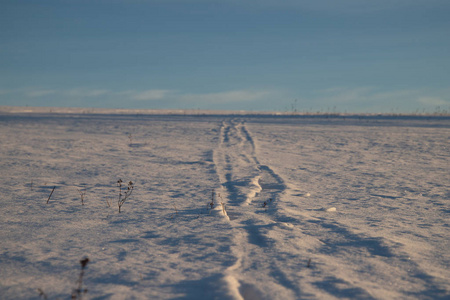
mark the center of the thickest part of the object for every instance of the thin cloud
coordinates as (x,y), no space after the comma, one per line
(86,92)
(371,99)
(40,93)
(340,95)
(77,92)
(436,101)
(150,95)
(226,97)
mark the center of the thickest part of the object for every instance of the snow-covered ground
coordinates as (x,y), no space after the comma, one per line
(303,207)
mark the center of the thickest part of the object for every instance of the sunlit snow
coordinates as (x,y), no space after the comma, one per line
(224,206)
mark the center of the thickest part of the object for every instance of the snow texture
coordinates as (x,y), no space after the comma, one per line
(225,206)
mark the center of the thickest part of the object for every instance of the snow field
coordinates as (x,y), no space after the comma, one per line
(391,225)
(314,208)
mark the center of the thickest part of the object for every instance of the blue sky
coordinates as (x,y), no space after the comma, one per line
(318,55)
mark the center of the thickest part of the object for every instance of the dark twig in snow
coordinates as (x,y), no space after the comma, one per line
(82,194)
(51,194)
(211,204)
(126,194)
(130,139)
(79,291)
(42,294)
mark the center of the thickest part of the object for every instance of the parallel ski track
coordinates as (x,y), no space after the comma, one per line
(246,186)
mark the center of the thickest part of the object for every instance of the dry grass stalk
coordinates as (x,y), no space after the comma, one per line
(123,196)
(51,194)
(79,291)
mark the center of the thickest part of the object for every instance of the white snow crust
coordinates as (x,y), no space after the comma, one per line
(304,207)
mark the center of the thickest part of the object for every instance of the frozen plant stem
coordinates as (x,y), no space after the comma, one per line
(176,210)
(130,138)
(213,194)
(51,194)
(79,292)
(123,196)
(82,193)
(42,294)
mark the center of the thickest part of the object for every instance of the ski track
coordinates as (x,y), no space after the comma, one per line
(253,192)
(246,184)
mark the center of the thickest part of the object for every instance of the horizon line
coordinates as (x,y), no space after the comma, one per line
(196,112)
